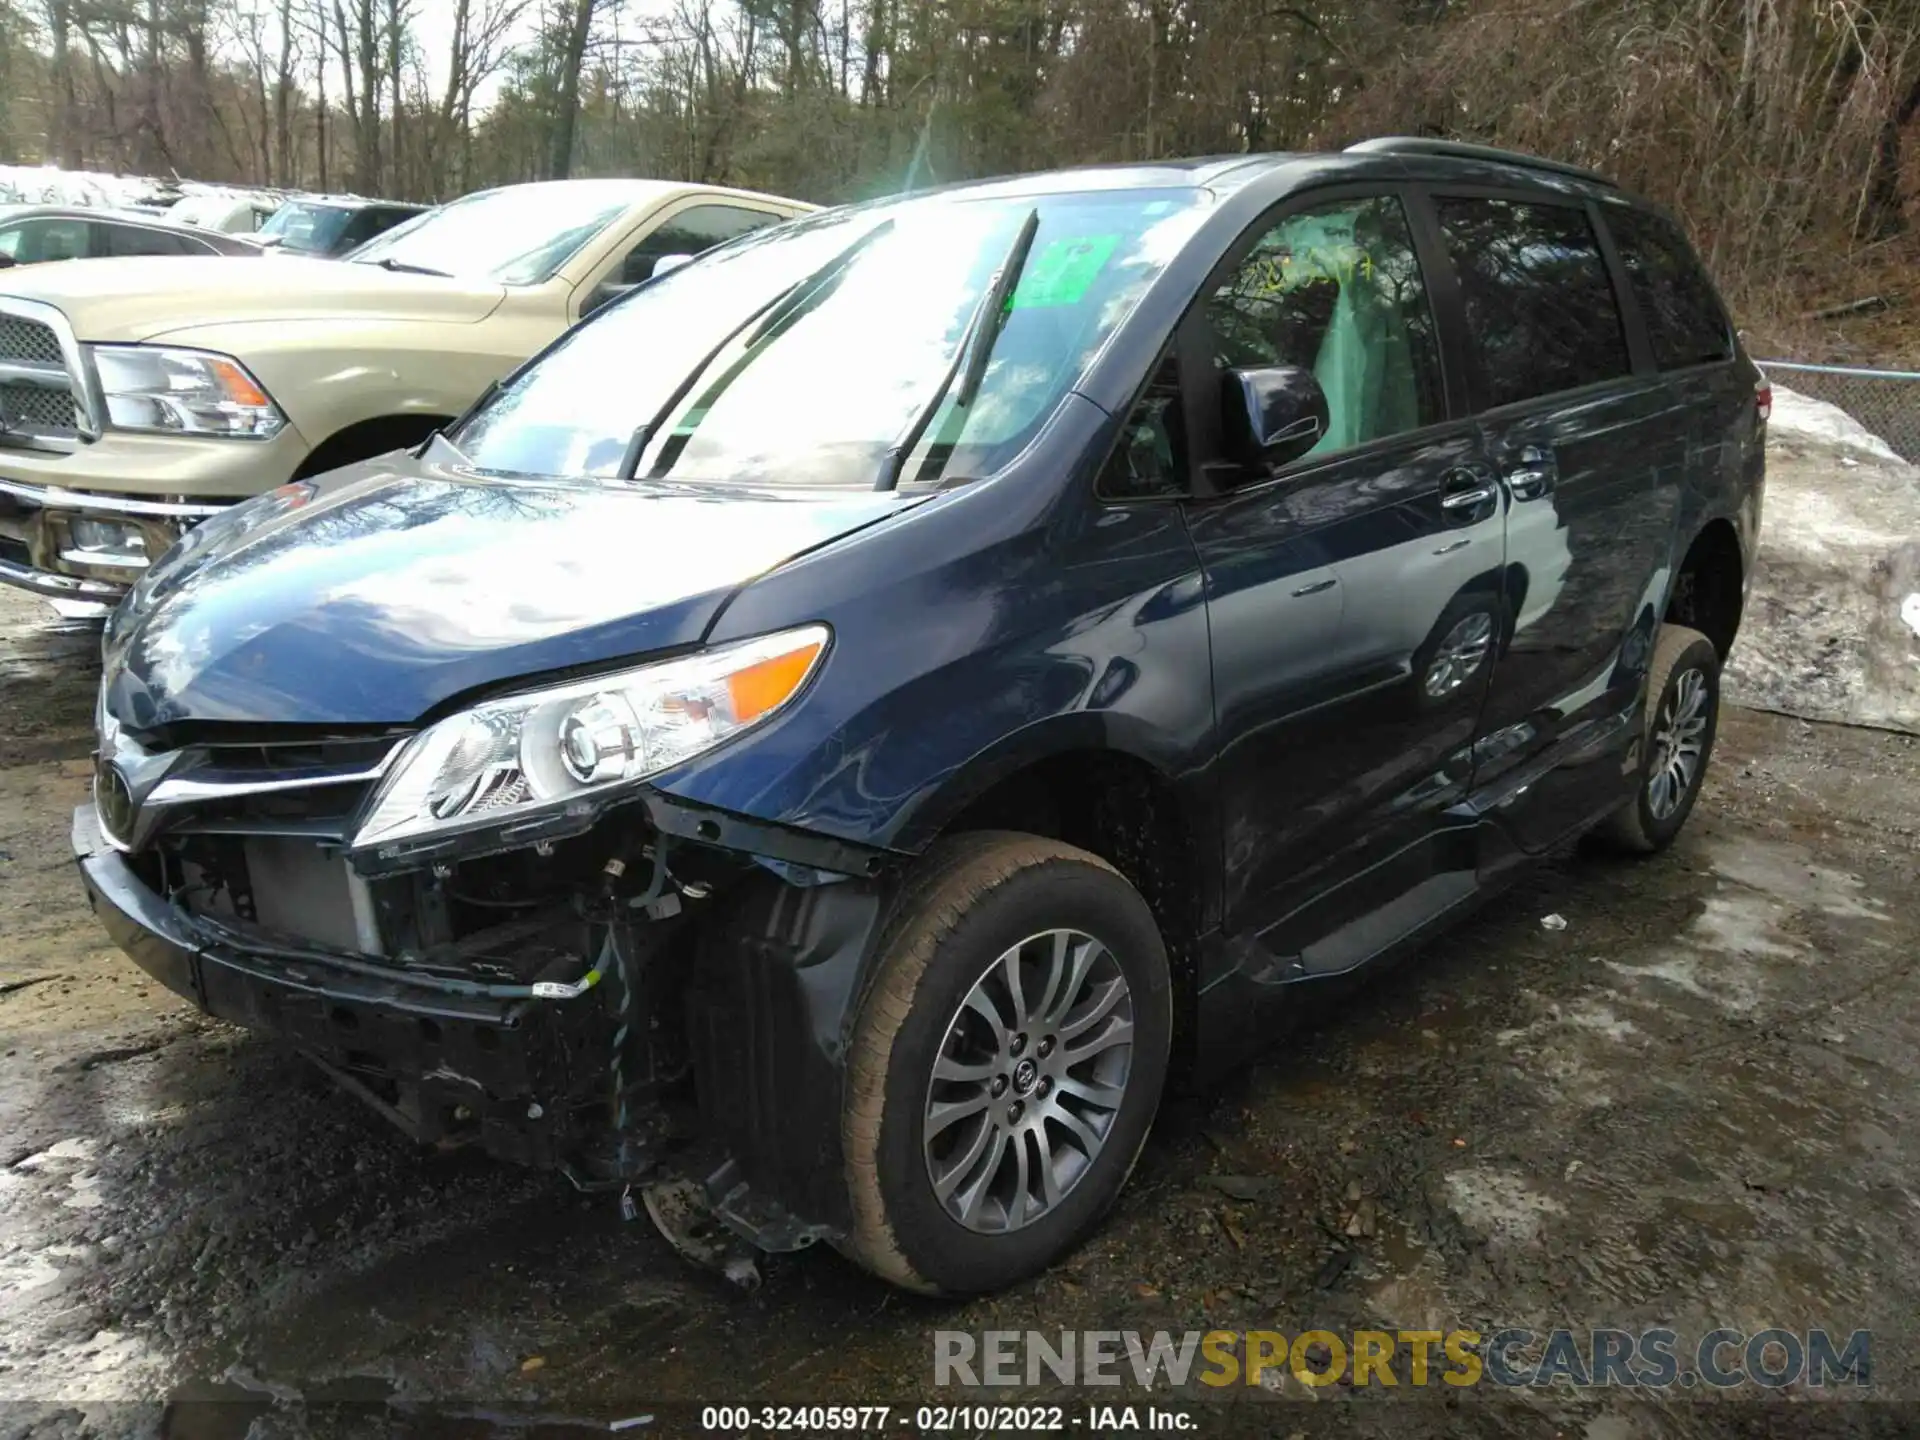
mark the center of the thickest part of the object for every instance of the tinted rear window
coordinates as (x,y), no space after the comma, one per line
(1540,307)
(137,240)
(1684,318)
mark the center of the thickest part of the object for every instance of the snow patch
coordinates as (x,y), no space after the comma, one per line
(1585,1013)
(25,1271)
(1705,977)
(50,185)
(1740,923)
(1806,418)
(1788,872)
(1831,627)
(74,1148)
(87,1194)
(1501,1206)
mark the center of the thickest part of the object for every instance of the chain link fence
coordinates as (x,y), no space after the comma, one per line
(1887,402)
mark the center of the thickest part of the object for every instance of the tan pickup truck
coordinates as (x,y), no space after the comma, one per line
(139,396)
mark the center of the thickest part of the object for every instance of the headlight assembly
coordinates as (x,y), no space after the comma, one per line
(182,392)
(531,756)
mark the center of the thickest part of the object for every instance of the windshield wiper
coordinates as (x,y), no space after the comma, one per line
(387,262)
(976,346)
(781,311)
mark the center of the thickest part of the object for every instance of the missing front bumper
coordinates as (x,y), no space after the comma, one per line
(739,1082)
(523,1079)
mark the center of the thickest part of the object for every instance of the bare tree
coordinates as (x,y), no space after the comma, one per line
(479,50)
(576,22)
(357,34)
(283,95)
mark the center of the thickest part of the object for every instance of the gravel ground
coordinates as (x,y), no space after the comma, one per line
(1687,1107)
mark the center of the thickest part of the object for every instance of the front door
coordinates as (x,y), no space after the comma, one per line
(1590,456)
(1353,595)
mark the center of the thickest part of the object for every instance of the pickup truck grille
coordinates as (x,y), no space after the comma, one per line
(38,411)
(41,404)
(28,342)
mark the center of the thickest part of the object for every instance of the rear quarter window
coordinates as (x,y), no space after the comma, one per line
(1541,314)
(1685,320)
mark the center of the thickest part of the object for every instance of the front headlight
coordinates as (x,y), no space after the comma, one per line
(183,392)
(529,756)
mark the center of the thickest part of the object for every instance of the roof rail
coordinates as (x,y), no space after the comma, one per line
(1461,150)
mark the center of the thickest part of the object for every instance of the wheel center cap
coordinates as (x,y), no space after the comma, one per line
(1024,1074)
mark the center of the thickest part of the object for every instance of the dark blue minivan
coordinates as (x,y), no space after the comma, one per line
(849,725)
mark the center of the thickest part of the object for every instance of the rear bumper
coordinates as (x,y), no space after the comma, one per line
(517,1077)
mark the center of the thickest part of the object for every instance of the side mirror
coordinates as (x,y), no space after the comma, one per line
(666,263)
(1273,414)
(603,294)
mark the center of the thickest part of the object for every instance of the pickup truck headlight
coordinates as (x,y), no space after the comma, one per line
(528,756)
(183,392)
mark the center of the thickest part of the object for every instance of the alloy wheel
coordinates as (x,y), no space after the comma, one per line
(1459,654)
(1028,1081)
(1679,737)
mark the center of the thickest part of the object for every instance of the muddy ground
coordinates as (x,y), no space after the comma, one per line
(1691,1106)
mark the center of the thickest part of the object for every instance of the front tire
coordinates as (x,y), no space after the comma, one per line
(1682,717)
(1005,1065)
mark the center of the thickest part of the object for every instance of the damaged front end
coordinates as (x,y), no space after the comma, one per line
(649,989)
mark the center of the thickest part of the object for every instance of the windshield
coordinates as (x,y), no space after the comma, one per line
(518,235)
(306,227)
(823,396)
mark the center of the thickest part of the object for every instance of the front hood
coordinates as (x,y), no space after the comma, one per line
(139,299)
(377,593)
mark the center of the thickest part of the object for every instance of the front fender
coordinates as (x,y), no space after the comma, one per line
(984,629)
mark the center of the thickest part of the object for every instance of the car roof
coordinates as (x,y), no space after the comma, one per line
(351,202)
(1405,157)
(1210,172)
(146,220)
(639,191)
(78,212)
(87,212)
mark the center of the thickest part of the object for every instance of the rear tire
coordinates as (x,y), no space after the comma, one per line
(1035,979)
(1682,716)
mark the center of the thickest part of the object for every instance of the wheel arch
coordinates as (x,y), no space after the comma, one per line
(1099,785)
(1708,592)
(364,439)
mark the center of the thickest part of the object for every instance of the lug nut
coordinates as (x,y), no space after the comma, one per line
(1044,1088)
(999,1086)
(1019,1044)
(1046,1047)
(1015,1111)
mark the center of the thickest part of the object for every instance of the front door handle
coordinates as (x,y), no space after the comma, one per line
(1464,491)
(1534,474)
